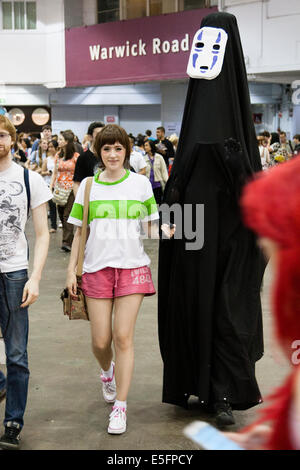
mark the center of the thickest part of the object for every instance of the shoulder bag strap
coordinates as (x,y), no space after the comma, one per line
(27,186)
(84,226)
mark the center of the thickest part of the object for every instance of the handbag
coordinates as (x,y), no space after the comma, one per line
(61,195)
(76,308)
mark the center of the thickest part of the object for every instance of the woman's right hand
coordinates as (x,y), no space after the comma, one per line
(254,439)
(71,284)
(168,230)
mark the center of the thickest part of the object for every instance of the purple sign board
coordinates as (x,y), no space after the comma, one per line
(140,50)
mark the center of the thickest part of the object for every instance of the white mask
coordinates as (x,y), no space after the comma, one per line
(207,53)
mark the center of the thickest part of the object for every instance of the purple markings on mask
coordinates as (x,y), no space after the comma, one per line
(216,52)
(200,36)
(198,47)
(214,61)
(195,57)
(216,46)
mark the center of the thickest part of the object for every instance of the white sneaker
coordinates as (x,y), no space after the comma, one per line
(117,421)
(109,387)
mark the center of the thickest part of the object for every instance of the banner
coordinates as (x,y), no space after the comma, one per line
(140,50)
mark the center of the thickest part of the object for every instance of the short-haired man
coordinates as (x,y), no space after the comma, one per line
(284,145)
(87,161)
(149,135)
(163,145)
(46,134)
(19,189)
(137,161)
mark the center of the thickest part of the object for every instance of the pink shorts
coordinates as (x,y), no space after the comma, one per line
(114,282)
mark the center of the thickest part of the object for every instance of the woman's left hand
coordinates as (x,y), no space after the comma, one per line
(167,230)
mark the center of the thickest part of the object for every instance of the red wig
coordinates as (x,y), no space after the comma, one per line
(271,207)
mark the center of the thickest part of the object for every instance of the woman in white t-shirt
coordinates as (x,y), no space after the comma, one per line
(116,273)
(47,171)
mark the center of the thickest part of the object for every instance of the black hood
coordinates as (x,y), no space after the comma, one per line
(219,109)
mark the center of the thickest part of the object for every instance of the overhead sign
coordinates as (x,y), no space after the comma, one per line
(144,49)
(112,119)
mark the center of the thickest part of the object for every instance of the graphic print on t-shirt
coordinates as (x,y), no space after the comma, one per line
(14,214)
(11,217)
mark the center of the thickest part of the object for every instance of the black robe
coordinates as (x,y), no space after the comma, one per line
(209,309)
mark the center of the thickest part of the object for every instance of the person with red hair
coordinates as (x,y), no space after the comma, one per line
(277,222)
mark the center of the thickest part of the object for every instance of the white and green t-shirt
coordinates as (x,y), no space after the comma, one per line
(115,212)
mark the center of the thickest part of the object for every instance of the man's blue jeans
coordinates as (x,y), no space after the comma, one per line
(14,326)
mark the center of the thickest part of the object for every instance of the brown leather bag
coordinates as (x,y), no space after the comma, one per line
(76,309)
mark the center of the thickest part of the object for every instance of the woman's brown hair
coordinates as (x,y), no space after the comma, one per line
(68,152)
(40,151)
(111,134)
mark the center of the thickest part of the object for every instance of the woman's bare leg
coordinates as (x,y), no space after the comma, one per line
(100,314)
(126,311)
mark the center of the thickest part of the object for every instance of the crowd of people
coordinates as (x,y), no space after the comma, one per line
(63,162)
(275,148)
(124,173)
(130,172)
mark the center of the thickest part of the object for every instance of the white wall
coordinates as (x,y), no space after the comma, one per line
(25,95)
(109,95)
(269,32)
(269,117)
(268,93)
(134,119)
(36,56)
(172,103)
(137,119)
(76,118)
(135,106)
(139,107)
(270,37)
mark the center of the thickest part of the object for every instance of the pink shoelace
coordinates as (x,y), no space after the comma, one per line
(108,379)
(114,408)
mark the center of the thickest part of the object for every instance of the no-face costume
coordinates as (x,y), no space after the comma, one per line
(209,309)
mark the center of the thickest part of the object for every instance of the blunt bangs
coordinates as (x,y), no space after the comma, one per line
(111,134)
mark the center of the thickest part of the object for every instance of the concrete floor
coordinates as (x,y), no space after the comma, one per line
(65,409)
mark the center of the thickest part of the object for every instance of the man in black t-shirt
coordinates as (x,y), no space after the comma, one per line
(163,145)
(87,162)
